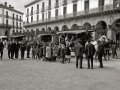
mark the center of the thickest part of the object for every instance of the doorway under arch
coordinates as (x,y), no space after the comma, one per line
(56,28)
(74,26)
(86,26)
(64,28)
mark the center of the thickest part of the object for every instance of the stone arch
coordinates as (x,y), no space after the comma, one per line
(49,29)
(86,26)
(64,28)
(101,24)
(74,26)
(56,28)
(43,29)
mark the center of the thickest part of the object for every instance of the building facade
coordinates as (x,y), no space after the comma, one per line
(11,20)
(103,16)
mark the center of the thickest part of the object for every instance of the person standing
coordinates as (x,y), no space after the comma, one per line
(13,45)
(17,49)
(68,53)
(1,48)
(79,50)
(90,51)
(9,49)
(22,47)
(28,47)
(100,53)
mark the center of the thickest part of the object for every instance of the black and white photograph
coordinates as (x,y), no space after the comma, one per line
(59,44)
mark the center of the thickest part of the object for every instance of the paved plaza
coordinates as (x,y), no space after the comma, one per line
(34,74)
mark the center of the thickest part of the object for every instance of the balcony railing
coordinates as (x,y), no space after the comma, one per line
(42,9)
(71,15)
(49,7)
(74,1)
(64,2)
(56,5)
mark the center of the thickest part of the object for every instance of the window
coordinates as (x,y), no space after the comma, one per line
(37,6)
(16,17)
(13,24)
(101,4)
(42,15)
(74,7)
(56,1)
(56,12)
(49,14)
(86,8)
(37,17)
(20,18)
(6,14)
(6,22)
(16,24)
(49,3)
(64,10)
(28,10)
(31,10)
(13,16)
(20,25)
(43,4)
(31,18)
(27,20)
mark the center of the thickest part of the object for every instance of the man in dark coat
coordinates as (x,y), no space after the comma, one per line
(28,49)
(17,49)
(9,49)
(79,49)
(100,53)
(90,51)
(1,48)
(13,45)
(22,47)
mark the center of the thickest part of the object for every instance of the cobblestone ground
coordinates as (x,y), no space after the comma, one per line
(31,74)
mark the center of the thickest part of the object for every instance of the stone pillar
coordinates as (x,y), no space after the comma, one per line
(109,34)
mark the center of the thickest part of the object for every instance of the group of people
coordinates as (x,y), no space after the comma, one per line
(61,51)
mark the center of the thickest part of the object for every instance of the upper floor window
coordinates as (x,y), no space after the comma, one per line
(56,12)
(6,13)
(57,1)
(7,22)
(43,4)
(27,19)
(13,16)
(16,17)
(28,10)
(86,6)
(49,3)
(20,18)
(37,6)
(49,14)
(31,18)
(42,15)
(101,4)
(31,9)
(37,17)
(64,10)
(74,7)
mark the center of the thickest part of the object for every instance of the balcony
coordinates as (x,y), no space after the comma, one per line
(7,16)
(74,1)
(64,2)
(42,9)
(56,5)
(80,14)
(49,7)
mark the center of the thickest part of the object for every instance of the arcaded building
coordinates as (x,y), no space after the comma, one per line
(102,16)
(11,20)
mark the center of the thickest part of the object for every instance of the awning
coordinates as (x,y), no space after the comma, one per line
(73,31)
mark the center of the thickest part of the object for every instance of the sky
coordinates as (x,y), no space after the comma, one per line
(17,4)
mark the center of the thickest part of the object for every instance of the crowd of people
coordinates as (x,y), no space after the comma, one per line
(62,51)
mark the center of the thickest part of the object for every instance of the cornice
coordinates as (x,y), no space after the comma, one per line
(10,8)
(31,3)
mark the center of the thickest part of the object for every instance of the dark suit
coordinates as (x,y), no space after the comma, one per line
(13,46)
(22,47)
(90,51)
(1,49)
(28,50)
(79,49)
(17,50)
(100,54)
(9,50)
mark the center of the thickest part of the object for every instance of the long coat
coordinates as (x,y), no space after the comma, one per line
(79,50)
(89,49)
